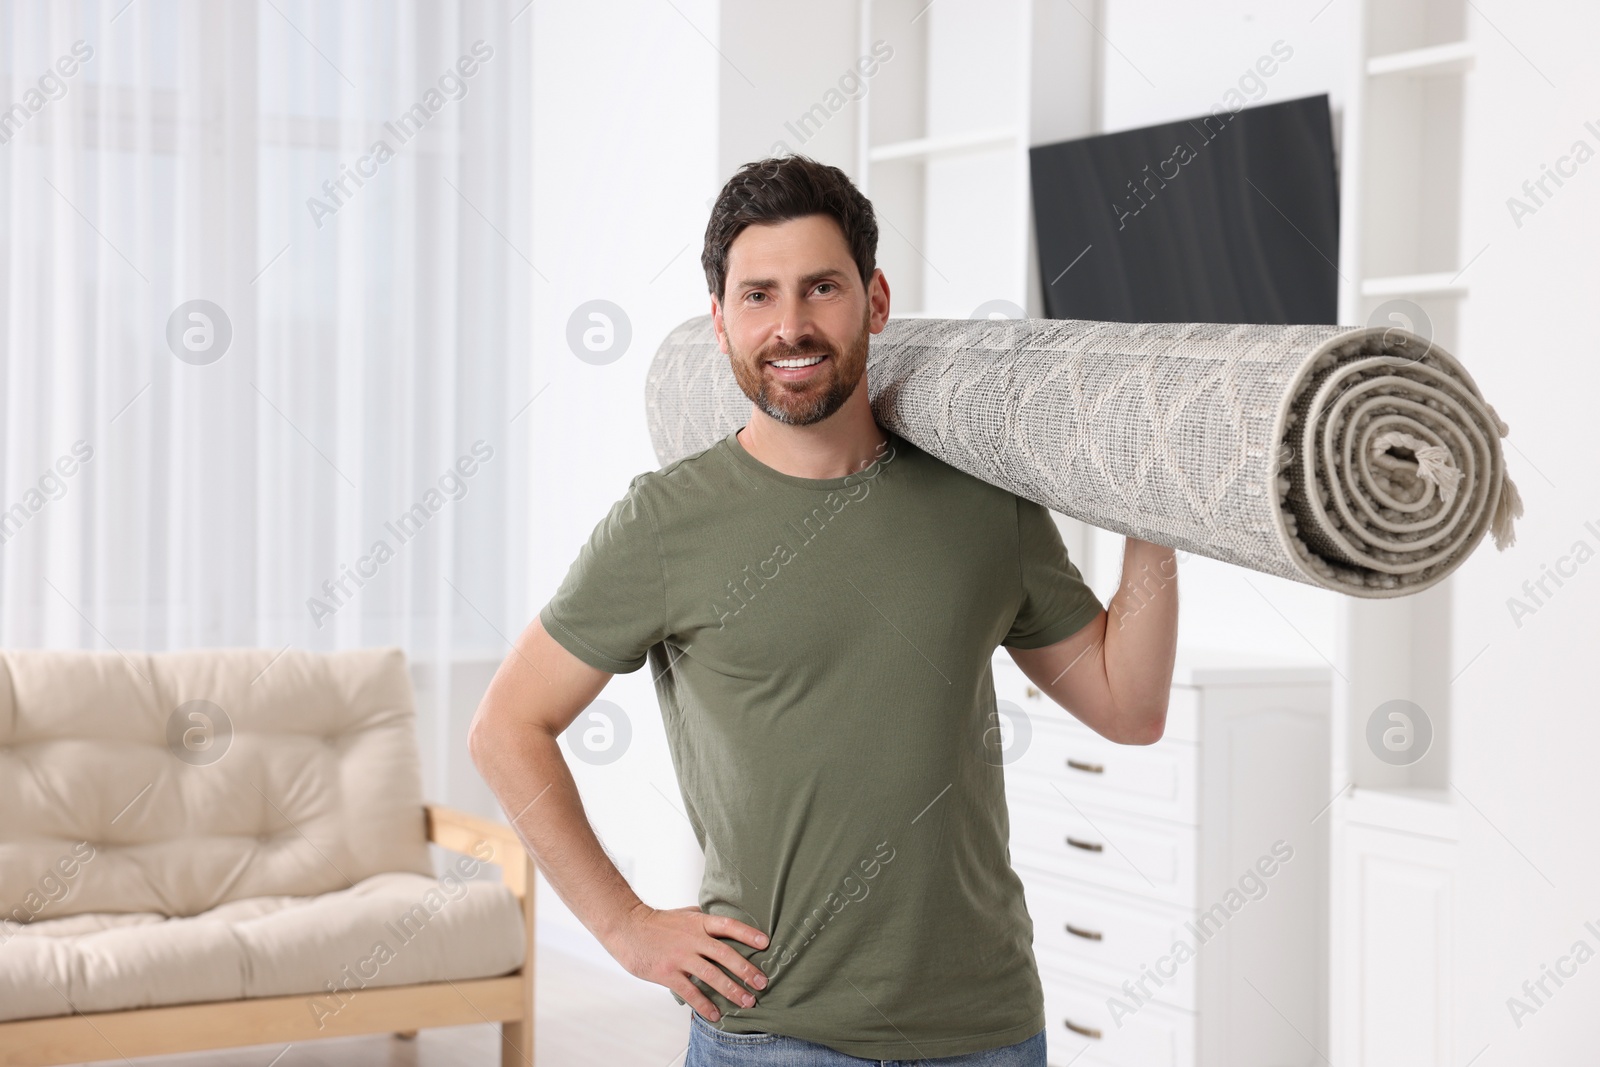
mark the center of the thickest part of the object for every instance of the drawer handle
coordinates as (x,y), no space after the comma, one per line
(1087,846)
(1086,768)
(1087,935)
(1087,1031)
(1033,694)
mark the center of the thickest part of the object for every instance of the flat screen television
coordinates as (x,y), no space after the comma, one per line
(1220,218)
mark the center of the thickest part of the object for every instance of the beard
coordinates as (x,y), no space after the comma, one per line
(811,401)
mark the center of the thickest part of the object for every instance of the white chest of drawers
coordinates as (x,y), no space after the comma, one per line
(1178,890)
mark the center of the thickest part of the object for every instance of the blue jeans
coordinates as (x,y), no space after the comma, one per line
(710,1047)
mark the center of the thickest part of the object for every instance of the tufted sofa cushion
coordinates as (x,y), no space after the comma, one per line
(391,929)
(300,776)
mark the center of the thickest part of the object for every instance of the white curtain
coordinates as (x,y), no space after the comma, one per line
(346,186)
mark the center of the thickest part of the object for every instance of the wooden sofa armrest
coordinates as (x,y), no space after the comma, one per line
(464,832)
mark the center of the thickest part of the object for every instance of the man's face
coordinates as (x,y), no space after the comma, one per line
(796,318)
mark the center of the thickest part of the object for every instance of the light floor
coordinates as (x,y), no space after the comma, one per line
(587,1017)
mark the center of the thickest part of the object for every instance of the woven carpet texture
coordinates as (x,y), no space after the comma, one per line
(1363,459)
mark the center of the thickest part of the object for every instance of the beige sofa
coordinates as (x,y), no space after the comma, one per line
(229,847)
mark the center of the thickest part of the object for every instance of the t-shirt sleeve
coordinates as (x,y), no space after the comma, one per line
(611,607)
(1056,601)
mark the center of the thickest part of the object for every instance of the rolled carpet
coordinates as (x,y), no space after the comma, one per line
(1363,460)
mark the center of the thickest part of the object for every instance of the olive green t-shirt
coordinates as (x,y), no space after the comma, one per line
(821,653)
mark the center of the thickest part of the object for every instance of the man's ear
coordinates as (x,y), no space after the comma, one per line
(718,325)
(877,301)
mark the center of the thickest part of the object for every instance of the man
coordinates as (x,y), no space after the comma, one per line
(819,601)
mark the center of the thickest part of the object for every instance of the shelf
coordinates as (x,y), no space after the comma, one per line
(1411,810)
(1440,284)
(928,147)
(1457,57)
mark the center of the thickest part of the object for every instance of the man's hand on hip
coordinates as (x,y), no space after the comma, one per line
(668,947)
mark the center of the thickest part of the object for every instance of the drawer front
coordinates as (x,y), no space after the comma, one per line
(1157,780)
(1183,703)
(1083,1030)
(1067,840)
(1112,940)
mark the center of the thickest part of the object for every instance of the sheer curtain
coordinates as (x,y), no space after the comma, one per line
(264,363)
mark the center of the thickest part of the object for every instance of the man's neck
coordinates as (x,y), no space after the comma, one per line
(846,442)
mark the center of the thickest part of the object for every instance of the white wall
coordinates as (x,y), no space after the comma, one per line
(1526,713)
(1171,59)
(786,87)
(624,159)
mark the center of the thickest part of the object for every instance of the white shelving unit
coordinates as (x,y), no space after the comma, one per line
(1400,190)
(1394,828)
(937,146)
(942,143)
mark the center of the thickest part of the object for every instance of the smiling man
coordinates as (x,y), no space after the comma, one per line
(819,601)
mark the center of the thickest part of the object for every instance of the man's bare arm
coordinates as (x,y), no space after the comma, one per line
(536,694)
(1115,674)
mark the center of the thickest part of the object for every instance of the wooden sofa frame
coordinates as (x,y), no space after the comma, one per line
(82,1038)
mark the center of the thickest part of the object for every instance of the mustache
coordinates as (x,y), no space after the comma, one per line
(787,352)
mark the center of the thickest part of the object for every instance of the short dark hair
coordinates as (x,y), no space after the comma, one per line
(780,188)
